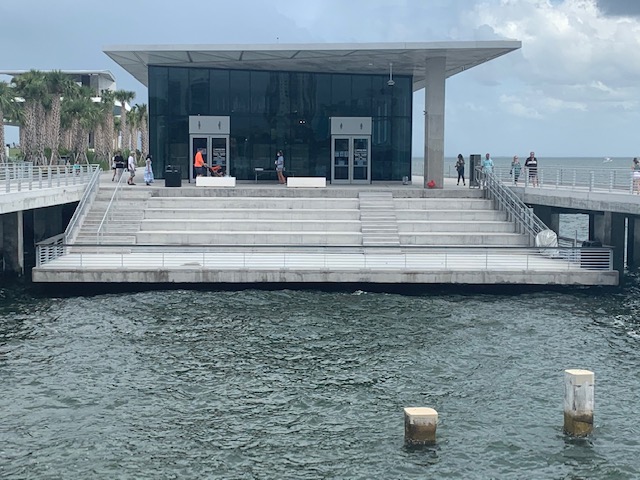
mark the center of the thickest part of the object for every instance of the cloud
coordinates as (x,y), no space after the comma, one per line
(620,7)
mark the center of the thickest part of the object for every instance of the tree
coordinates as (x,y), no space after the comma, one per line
(80,116)
(58,85)
(7,109)
(32,88)
(143,125)
(124,97)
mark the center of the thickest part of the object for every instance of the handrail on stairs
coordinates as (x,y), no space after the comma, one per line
(507,201)
(108,214)
(84,205)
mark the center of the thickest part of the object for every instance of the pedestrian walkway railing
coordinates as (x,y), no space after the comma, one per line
(111,210)
(24,176)
(315,258)
(584,179)
(526,222)
(83,207)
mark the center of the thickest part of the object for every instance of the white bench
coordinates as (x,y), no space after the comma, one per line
(307,182)
(215,181)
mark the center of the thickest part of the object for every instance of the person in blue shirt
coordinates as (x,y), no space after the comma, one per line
(487,168)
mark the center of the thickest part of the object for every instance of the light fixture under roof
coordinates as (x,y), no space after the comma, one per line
(391,82)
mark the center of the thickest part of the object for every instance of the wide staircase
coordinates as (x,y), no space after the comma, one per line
(124,220)
(365,219)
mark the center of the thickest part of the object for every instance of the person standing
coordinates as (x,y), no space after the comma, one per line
(635,167)
(113,167)
(460,169)
(131,165)
(531,164)
(516,168)
(148,171)
(487,168)
(198,163)
(280,167)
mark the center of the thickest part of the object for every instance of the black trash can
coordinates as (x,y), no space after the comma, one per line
(474,162)
(589,258)
(173,176)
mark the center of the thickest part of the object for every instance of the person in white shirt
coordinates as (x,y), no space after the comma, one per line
(131,165)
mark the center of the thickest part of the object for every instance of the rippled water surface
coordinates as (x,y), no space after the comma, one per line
(310,384)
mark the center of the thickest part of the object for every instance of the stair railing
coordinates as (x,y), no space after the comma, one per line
(507,201)
(109,212)
(90,192)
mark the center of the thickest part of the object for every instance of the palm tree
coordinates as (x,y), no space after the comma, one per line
(80,116)
(32,88)
(124,97)
(58,85)
(7,108)
(132,124)
(143,126)
(107,145)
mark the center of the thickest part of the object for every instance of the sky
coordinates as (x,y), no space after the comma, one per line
(573,89)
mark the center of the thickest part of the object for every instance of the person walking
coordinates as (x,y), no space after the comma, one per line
(460,168)
(531,164)
(487,169)
(119,162)
(148,171)
(198,163)
(131,165)
(635,167)
(280,167)
(516,168)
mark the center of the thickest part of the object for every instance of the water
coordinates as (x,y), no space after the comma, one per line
(311,384)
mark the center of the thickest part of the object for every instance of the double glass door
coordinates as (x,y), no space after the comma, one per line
(350,159)
(215,152)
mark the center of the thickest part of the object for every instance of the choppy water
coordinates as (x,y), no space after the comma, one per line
(310,384)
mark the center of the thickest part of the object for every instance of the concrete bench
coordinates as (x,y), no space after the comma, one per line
(307,182)
(215,181)
(271,172)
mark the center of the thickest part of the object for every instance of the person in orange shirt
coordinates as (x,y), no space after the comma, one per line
(199,164)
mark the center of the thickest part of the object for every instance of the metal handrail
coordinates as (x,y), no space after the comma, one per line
(575,178)
(21,176)
(336,258)
(83,207)
(108,212)
(507,201)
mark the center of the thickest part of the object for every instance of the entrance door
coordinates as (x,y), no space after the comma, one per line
(215,151)
(351,159)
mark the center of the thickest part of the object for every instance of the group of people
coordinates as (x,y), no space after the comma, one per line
(118,166)
(200,166)
(531,164)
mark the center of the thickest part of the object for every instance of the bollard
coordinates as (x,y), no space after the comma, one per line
(420,426)
(578,402)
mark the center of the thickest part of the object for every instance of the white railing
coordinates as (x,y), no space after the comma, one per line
(333,258)
(506,200)
(21,176)
(109,212)
(83,207)
(585,179)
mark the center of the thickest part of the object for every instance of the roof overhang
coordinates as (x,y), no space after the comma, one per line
(367,58)
(74,74)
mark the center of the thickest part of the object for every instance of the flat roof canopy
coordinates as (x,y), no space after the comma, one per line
(368,58)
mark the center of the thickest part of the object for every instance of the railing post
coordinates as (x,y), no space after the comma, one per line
(558,179)
(591,180)
(611,180)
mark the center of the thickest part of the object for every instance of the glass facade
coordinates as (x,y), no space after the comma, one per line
(269,111)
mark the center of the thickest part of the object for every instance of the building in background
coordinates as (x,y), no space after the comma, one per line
(340,111)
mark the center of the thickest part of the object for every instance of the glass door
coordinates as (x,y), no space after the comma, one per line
(340,152)
(361,159)
(219,149)
(351,159)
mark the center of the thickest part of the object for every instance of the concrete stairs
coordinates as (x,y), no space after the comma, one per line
(251,221)
(378,219)
(123,225)
(454,222)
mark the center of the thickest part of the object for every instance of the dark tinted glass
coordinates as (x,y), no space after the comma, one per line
(158,90)
(199,92)
(178,90)
(219,93)
(240,91)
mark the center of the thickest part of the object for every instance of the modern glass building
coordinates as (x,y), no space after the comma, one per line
(342,112)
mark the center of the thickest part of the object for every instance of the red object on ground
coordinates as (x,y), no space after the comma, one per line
(431,184)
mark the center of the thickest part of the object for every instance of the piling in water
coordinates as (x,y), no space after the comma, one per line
(578,402)
(420,426)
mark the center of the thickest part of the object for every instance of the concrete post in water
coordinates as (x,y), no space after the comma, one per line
(420,426)
(578,402)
